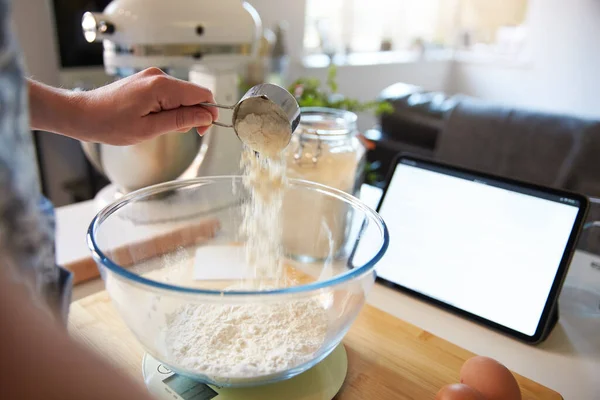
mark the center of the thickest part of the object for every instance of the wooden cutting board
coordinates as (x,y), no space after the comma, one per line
(387,357)
(137,251)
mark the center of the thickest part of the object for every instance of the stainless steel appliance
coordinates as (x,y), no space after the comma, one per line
(204,41)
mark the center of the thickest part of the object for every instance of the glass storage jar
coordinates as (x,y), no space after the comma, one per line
(324,149)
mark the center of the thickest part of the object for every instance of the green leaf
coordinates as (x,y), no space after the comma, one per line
(331,81)
(310,92)
(384,107)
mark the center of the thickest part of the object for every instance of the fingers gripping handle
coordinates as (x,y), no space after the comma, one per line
(219,106)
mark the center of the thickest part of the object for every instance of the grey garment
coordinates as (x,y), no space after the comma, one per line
(26,220)
(546,149)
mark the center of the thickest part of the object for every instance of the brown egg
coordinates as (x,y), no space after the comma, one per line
(458,391)
(492,379)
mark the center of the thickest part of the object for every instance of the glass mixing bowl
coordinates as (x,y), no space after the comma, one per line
(172,258)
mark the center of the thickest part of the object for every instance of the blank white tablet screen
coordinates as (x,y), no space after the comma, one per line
(485,249)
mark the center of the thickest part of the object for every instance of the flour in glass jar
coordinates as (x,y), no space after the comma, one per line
(246,340)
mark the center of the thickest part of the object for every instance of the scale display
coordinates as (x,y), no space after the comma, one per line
(322,381)
(166,384)
(188,389)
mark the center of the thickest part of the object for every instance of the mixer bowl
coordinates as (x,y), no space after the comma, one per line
(175,249)
(154,161)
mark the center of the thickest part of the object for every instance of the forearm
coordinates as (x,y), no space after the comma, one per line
(127,111)
(56,110)
(44,363)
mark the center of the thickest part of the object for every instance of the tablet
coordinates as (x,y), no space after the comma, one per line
(494,250)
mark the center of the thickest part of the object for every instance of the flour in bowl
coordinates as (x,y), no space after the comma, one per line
(246,340)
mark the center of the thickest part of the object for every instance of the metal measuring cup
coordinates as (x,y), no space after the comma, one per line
(259,99)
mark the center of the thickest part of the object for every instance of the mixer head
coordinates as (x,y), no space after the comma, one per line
(138,34)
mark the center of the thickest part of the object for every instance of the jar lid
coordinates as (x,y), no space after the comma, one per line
(324,123)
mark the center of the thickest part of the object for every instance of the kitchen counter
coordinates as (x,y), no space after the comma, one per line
(568,361)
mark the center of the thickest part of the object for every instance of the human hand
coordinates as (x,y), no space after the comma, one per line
(128,111)
(145,105)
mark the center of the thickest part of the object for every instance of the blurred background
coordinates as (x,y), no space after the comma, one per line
(537,54)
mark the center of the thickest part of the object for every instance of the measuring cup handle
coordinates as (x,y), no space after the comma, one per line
(219,106)
(222,124)
(216,105)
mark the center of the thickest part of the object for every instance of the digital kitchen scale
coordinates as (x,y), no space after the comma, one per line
(321,382)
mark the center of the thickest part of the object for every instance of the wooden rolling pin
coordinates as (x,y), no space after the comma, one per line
(135,252)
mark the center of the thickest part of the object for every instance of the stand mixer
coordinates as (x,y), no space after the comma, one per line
(205,42)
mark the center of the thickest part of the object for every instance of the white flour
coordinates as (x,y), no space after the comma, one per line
(250,340)
(265,131)
(267,134)
(241,341)
(265,180)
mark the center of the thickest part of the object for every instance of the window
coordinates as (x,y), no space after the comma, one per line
(363,26)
